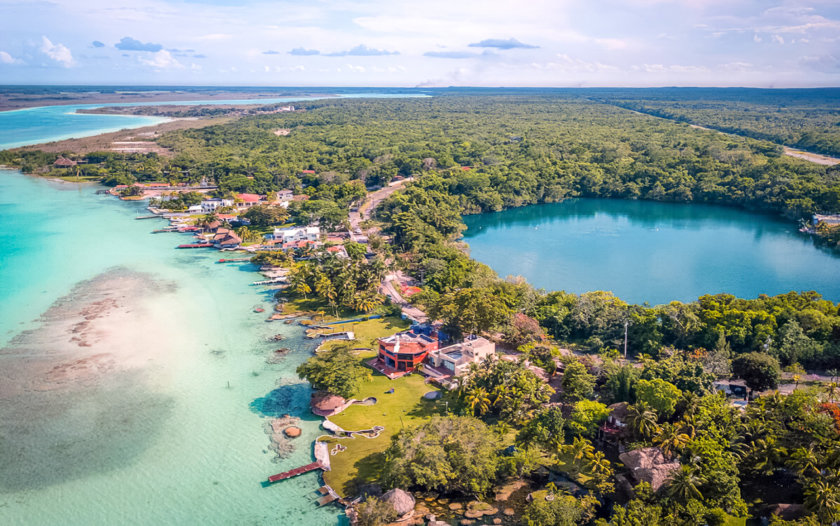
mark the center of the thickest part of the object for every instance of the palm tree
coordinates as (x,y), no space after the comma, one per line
(671,439)
(641,420)
(823,498)
(207,219)
(766,455)
(478,400)
(366,301)
(805,461)
(598,464)
(580,449)
(298,277)
(689,403)
(684,484)
(325,289)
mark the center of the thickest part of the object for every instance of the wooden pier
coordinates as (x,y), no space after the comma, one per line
(295,472)
(196,245)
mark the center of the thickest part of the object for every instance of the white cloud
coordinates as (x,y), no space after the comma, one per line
(162,60)
(6,58)
(57,52)
(778,39)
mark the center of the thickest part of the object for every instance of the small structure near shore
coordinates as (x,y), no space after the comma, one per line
(326,404)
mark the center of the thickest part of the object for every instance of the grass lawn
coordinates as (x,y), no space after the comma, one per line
(299,305)
(368,331)
(362,462)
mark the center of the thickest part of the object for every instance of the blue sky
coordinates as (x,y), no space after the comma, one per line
(765,43)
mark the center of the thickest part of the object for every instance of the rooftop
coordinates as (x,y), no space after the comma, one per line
(408,337)
(249,198)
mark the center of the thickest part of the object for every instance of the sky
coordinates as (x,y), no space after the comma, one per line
(556,43)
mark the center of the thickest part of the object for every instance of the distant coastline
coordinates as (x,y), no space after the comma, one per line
(11,100)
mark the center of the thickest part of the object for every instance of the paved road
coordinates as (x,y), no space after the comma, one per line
(371,202)
(389,289)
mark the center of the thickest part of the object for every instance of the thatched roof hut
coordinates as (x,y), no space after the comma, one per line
(64,162)
(649,465)
(326,404)
(402,501)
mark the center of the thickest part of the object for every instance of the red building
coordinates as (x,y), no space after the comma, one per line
(404,351)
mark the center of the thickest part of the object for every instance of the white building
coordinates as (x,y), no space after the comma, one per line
(285,195)
(293,235)
(456,359)
(210,205)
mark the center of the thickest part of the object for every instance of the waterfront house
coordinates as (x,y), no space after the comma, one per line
(293,235)
(401,353)
(226,238)
(209,206)
(455,360)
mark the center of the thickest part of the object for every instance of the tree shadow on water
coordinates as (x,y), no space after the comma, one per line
(291,399)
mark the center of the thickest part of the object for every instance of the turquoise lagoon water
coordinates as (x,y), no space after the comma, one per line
(652,252)
(164,424)
(199,457)
(55,123)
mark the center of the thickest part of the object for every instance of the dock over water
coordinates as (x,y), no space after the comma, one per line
(322,461)
(295,472)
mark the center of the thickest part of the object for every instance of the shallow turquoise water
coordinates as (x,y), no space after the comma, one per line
(201,457)
(55,123)
(652,252)
(170,428)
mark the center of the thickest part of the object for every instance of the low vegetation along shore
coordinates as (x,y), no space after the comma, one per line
(452,394)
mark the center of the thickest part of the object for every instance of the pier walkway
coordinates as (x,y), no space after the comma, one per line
(295,472)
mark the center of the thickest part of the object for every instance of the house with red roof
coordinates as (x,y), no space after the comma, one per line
(248,200)
(402,352)
(226,238)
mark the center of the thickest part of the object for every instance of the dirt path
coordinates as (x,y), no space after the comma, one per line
(813,157)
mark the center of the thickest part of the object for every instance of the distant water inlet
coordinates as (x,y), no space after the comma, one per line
(652,252)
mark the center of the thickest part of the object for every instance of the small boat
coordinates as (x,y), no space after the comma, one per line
(259,309)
